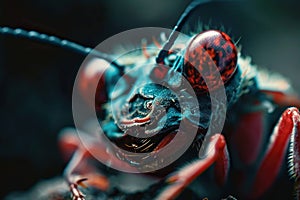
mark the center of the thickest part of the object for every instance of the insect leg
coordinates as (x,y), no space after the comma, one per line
(249,150)
(287,129)
(71,147)
(217,154)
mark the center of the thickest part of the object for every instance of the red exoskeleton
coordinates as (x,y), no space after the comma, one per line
(138,95)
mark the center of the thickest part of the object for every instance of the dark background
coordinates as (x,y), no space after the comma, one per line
(36,80)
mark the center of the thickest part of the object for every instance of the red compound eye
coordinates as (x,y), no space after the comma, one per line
(207,52)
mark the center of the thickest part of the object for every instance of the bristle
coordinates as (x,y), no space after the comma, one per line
(290,157)
(237,42)
(222,28)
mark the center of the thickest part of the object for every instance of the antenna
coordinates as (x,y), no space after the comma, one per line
(41,37)
(178,27)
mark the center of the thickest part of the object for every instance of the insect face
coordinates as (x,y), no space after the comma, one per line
(147,101)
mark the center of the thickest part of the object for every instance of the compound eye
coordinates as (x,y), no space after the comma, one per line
(209,53)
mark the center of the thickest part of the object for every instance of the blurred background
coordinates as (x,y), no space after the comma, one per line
(36,80)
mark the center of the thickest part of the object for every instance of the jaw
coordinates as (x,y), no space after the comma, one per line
(148,121)
(144,144)
(153,130)
(147,133)
(140,142)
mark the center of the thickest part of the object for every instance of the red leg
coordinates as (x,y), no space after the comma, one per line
(79,163)
(249,129)
(217,154)
(287,127)
(71,146)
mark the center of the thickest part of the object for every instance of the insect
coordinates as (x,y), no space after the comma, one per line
(245,146)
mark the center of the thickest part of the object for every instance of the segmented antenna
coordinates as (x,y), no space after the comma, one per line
(41,37)
(180,23)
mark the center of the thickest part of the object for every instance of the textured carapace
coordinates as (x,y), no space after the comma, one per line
(208,51)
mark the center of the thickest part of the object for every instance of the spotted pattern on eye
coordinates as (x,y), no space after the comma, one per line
(206,50)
